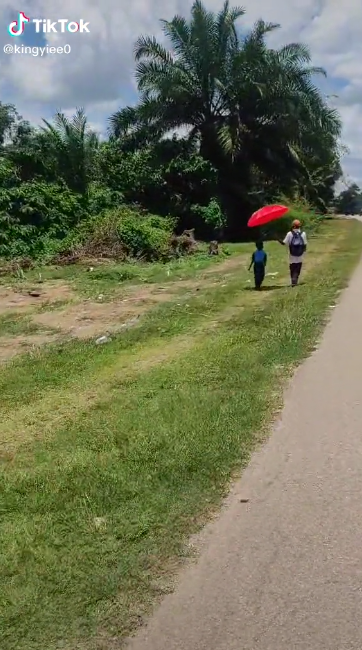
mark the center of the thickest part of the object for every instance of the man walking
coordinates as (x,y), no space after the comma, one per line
(297,241)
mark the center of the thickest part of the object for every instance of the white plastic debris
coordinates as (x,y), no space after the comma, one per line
(102,339)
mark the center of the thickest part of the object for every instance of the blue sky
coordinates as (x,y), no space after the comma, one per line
(98,73)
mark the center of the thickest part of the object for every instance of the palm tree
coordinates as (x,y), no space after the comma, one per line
(73,147)
(182,87)
(247,104)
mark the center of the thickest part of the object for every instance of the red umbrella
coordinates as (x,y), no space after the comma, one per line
(266,214)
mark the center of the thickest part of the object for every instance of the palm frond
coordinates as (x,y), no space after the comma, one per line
(149,47)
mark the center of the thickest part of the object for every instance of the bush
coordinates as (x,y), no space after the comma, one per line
(162,223)
(101,198)
(34,216)
(211,214)
(141,239)
(120,233)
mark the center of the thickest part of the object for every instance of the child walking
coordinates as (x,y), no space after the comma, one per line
(258,261)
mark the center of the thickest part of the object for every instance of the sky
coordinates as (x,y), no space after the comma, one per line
(98,72)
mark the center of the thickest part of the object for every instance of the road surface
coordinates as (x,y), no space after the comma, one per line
(284,571)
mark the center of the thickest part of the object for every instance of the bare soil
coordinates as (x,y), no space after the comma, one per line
(55,307)
(12,300)
(10,346)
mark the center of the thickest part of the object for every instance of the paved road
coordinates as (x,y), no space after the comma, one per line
(284,572)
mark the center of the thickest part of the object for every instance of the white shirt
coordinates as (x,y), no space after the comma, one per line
(288,240)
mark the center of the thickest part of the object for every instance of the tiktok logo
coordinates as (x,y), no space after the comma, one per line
(16,28)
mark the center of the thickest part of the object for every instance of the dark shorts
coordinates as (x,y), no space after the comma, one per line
(295,269)
(259,274)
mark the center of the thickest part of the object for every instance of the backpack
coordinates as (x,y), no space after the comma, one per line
(259,257)
(297,246)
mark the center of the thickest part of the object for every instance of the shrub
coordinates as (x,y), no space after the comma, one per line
(211,214)
(142,238)
(34,215)
(101,198)
(162,223)
(123,232)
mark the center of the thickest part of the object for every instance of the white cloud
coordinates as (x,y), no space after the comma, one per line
(97,73)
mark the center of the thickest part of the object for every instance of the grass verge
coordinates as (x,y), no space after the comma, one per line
(93,514)
(26,379)
(107,278)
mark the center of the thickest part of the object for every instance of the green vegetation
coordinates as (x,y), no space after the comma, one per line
(349,201)
(16,324)
(113,455)
(257,128)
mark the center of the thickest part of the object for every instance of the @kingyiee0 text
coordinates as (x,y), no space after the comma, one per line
(36,50)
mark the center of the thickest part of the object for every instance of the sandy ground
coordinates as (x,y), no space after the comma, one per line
(284,570)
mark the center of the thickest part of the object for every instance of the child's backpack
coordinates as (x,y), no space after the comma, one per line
(296,246)
(259,257)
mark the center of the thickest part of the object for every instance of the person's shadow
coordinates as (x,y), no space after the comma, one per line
(268,287)
(272,287)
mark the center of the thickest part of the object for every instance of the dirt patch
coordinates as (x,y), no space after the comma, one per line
(231,264)
(21,300)
(147,293)
(82,320)
(11,346)
(88,319)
